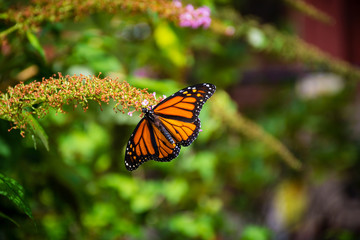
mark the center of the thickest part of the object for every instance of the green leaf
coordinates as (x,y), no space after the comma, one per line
(5,150)
(192,226)
(256,233)
(15,193)
(9,218)
(169,43)
(37,130)
(34,41)
(4,15)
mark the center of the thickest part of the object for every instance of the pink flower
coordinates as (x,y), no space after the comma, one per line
(204,11)
(203,14)
(141,73)
(186,20)
(195,18)
(189,8)
(130,113)
(145,102)
(177,3)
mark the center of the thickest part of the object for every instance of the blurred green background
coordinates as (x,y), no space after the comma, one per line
(223,186)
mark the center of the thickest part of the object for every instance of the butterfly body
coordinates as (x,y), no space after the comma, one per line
(154,119)
(169,125)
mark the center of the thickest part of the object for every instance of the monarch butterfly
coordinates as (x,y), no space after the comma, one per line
(172,123)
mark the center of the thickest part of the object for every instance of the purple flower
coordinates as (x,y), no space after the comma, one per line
(195,18)
(185,20)
(177,3)
(189,8)
(204,10)
(143,72)
(130,113)
(203,14)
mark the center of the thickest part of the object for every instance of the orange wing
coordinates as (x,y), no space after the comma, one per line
(166,150)
(179,112)
(146,143)
(172,123)
(183,133)
(185,105)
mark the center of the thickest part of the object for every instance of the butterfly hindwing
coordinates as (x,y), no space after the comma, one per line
(166,150)
(146,143)
(184,133)
(141,146)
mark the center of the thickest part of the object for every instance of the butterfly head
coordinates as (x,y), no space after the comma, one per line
(148,113)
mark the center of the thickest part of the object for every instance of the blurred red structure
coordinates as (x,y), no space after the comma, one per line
(341,37)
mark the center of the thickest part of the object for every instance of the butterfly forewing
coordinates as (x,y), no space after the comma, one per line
(185,105)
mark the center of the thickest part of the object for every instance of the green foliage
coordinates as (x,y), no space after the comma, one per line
(311,11)
(34,41)
(168,42)
(255,233)
(13,191)
(38,132)
(262,167)
(242,125)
